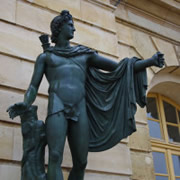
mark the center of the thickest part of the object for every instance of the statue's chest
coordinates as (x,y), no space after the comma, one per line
(56,61)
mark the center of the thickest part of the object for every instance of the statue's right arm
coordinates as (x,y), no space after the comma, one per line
(37,76)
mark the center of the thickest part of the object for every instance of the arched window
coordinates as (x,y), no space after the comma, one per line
(164,128)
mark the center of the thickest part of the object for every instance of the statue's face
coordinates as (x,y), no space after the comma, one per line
(67,30)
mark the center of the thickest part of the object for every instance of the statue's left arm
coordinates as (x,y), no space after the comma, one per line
(156,60)
(103,63)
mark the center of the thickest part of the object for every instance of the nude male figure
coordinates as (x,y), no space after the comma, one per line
(67,114)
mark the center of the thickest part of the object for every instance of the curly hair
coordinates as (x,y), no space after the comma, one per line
(57,22)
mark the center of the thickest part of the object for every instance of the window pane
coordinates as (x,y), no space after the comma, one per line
(152,108)
(176,164)
(154,129)
(161,178)
(159,162)
(170,112)
(173,132)
(177,178)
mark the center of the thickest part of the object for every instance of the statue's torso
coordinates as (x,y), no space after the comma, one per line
(66,77)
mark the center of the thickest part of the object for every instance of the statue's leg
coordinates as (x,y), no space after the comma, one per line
(78,137)
(56,130)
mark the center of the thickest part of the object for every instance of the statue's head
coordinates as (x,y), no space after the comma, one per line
(62,23)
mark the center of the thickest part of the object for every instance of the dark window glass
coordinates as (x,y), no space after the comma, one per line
(161,178)
(159,162)
(173,132)
(170,112)
(179,115)
(152,108)
(154,129)
(176,164)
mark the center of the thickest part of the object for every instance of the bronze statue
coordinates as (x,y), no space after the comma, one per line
(94,109)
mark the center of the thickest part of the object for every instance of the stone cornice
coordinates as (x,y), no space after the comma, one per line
(169,10)
(146,30)
(123,17)
(150,14)
(103,5)
(174,5)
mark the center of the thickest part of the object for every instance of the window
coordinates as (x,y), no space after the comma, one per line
(164,128)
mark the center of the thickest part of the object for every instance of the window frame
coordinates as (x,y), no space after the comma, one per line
(164,145)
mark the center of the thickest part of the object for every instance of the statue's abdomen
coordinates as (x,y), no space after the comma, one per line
(68,83)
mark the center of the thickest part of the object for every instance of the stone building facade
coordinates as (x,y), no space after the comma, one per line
(132,28)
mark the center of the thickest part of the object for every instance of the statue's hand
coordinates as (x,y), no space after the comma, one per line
(17,109)
(158,59)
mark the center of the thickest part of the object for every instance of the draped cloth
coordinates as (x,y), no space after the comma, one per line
(110,99)
(111,103)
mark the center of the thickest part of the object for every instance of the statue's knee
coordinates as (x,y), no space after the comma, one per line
(81,165)
(55,156)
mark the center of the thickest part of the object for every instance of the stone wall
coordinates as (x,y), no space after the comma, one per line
(144,27)
(126,31)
